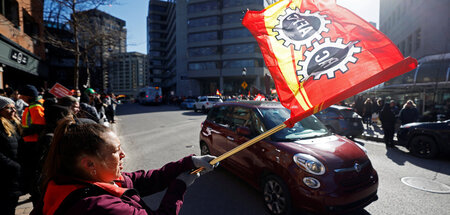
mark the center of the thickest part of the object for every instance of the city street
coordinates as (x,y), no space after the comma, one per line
(154,135)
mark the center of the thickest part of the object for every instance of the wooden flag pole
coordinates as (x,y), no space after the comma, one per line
(243,146)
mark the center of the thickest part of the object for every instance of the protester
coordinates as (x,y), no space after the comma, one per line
(394,108)
(19,103)
(70,102)
(367,112)
(387,118)
(111,108)
(408,113)
(86,110)
(33,123)
(9,163)
(83,175)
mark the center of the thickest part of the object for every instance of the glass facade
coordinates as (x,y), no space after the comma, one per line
(235,3)
(203,51)
(241,63)
(203,66)
(233,17)
(236,33)
(204,21)
(241,48)
(203,6)
(203,36)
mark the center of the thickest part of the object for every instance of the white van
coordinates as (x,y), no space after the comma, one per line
(150,95)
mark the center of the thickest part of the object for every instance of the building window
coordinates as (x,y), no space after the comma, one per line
(203,51)
(203,6)
(30,27)
(204,36)
(204,21)
(233,17)
(234,3)
(236,33)
(241,48)
(241,63)
(409,45)
(418,38)
(202,66)
(157,8)
(10,10)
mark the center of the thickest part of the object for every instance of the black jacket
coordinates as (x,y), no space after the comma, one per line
(9,163)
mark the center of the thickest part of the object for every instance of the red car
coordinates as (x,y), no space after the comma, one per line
(304,167)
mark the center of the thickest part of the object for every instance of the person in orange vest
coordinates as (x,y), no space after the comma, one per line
(33,123)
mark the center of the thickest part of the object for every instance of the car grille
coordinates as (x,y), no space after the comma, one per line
(354,176)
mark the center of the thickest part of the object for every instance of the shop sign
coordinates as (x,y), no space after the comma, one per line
(18,57)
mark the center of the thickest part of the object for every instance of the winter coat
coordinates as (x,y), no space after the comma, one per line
(126,197)
(408,115)
(387,117)
(9,163)
(88,111)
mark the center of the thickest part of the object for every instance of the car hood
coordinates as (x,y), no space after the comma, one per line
(333,150)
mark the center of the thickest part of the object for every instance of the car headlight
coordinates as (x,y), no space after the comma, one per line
(309,163)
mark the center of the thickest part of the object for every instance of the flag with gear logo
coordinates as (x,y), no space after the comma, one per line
(319,53)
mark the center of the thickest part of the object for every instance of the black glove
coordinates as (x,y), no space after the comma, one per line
(203,161)
(188,178)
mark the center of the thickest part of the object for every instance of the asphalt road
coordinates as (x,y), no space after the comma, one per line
(154,135)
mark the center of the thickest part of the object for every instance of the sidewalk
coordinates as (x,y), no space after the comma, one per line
(374,132)
(25,206)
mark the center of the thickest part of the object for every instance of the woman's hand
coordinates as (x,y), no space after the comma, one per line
(203,161)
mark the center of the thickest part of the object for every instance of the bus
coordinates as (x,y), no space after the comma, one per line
(150,95)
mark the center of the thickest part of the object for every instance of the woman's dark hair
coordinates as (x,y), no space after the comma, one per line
(67,101)
(84,98)
(72,140)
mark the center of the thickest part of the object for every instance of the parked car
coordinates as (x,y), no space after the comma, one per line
(304,167)
(204,103)
(425,139)
(187,104)
(341,120)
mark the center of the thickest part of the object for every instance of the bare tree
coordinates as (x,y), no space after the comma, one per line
(85,36)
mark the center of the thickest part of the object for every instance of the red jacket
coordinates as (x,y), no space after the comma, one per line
(123,199)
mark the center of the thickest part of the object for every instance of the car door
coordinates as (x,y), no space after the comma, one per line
(246,159)
(219,129)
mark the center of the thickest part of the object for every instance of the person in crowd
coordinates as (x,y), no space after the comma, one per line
(86,110)
(19,103)
(77,94)
(83,175)
(408,113)
(52,113)
(33,123)
(111,108)
(394,107)
(367,111)
(359,105)
(70,102)
(10,136)
(387,118)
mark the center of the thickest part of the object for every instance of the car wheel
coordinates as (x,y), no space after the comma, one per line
(277,199)
(423,146)
(204,150)
(195,108)
(203,109)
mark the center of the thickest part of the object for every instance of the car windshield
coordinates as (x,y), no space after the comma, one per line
(309,127)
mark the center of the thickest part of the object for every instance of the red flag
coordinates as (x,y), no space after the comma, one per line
(319,53)
(218,93)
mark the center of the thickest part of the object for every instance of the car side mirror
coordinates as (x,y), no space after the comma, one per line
(243,131)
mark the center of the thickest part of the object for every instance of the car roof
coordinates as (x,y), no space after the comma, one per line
(253,104)
(339,107)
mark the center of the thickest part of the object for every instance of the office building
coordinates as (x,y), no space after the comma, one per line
(127,73)
(108,36)
(420,29)
(206,47)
